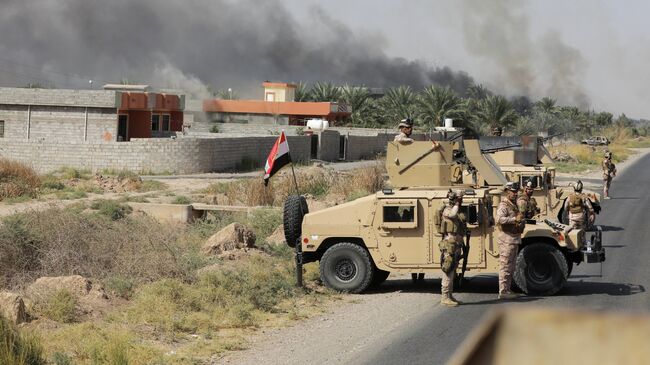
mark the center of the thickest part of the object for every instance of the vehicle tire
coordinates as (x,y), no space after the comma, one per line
(378,277)
(347,267)
(295,208)
(541,269)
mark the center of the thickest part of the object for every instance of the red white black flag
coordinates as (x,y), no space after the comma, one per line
(278,157)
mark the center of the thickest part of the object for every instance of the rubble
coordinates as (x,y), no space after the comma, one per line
(232,237)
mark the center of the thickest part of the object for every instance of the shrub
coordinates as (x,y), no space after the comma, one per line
(60,306)
(152,185)
(181,199)
(354,195)
(17,179)
(123,287)
(264,222)
(61,359)
(127,175)
(247,163)
(73,173)
(111,208)
(18,349)
(214,129)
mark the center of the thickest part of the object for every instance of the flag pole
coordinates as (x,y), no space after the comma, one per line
(295,181)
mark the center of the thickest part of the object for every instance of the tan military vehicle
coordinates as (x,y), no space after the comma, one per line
(360,243)
(532,162)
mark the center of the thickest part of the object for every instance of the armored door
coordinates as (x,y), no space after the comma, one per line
(403,232)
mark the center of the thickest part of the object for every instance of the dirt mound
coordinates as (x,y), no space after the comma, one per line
(277,237)
(232,237)
(75,284)
(12,307)
(564,157)
(116,185)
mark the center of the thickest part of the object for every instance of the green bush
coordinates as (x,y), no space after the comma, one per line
(61,359)
(152,185)
(121,286)
(111,208)
(61,306)
(181,199)
(18,349)
(214,129)
(264,222)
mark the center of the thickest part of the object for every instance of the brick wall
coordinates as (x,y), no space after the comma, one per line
(183,155)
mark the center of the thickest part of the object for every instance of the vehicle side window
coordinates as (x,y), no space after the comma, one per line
(534,178)
(399,213)
(472,214)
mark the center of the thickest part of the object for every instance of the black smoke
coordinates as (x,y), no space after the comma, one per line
(186,43)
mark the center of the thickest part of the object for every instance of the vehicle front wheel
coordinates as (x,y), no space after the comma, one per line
(541,269)
(346,267)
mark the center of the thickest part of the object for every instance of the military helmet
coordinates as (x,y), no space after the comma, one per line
(608,154)
(452,196)
(512,186)
(578,186)
(406,122)
(528,184)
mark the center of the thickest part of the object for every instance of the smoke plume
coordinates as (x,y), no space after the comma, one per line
(194,43)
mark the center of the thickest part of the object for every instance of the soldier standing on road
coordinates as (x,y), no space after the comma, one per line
(405,129)
(453,230)
(526,204)
(609,171)
(581,212)
(512,223)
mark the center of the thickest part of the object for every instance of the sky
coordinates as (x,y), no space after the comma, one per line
(593,54)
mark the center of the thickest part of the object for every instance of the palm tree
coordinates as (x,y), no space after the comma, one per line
(325,91)
(397,103)
(358,98)
(495,111)
(546,105)
(478,92)
(301,93)
(436,103)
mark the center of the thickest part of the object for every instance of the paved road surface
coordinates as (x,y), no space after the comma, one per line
(432,337)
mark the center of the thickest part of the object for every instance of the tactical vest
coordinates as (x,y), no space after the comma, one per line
(576,205)
(513,228)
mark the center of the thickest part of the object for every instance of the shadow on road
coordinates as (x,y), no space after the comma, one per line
(610,228)
(577,288)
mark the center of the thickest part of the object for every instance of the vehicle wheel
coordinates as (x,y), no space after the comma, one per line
(541,269)
(378,277)
(295,208)
(346,267)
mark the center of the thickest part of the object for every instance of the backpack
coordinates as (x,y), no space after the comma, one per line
(575,203)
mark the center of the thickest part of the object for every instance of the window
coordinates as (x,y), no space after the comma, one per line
(155,122)
(165,122)
(399,214)
(394,214)
(2,129)
(535,179)
(270,96)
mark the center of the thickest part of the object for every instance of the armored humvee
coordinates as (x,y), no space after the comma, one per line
(360,243)
(530,160)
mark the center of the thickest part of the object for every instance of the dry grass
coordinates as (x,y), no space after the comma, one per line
(17,348)
(17,179)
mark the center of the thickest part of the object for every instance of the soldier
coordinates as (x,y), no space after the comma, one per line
(512,223)
(526,204)
(497,131)
(579,207)
(609,171)
(453,231)
(405,129)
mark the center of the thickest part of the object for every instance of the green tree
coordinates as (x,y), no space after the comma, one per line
(495,111)
(546,105)
(398,103)
(325,91)
(436,103)
(301,92)
(358,98)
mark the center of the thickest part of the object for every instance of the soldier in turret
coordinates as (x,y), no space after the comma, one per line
(405,129)
(497,131)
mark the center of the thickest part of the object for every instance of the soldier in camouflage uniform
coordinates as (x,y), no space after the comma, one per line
(453,228)
(581,212)
(405,129)
(609,171)
(526,204)
(512,223)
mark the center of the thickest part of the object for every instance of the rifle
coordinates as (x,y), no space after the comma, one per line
(544,139)
(461,277)
(500,148)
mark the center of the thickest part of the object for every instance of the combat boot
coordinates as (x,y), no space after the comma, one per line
(506,296)
(451,296)
(446,300)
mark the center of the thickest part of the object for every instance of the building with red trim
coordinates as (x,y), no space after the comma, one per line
(277,107)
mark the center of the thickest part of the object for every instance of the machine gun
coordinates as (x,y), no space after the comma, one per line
(547,138)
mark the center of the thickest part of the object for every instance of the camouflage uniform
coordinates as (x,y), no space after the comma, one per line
(527,205)
(455,237)
(509,241)
(609,171)
(403,138)
(578,217)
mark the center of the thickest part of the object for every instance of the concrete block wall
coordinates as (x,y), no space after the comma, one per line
(15,118)
(329,144)
(149,155)
(61,97)
(68,124)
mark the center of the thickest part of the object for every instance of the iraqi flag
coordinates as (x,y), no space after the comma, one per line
(278,157)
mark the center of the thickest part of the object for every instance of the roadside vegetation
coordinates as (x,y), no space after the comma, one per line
(168,303)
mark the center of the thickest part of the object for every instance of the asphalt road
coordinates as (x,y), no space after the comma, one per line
(433,335)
